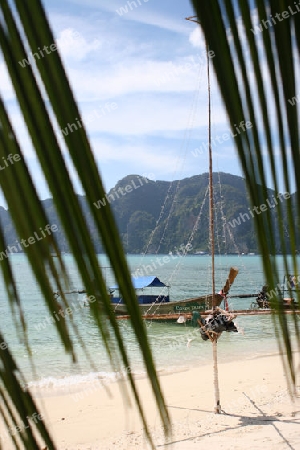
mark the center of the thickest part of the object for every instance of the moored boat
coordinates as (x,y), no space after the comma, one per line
(287,291)
(152,301)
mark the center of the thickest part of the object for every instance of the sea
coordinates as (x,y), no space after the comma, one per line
(175,347)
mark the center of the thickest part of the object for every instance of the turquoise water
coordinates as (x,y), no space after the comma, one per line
(175,347)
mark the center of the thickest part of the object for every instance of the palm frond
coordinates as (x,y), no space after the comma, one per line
(256,69)
(47,102)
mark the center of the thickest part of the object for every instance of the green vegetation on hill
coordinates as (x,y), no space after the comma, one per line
(160,216)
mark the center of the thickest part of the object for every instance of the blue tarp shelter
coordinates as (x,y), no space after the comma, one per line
(143,282)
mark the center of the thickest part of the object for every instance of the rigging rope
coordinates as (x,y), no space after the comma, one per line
(185,251)
(183,149)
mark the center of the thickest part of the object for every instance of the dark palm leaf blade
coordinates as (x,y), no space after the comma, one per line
(19,406)
(58,89)
(237,55)
(8,419)
(81,154)
(81,251)
(27,213)
(262,88)
(35,31)
(56,173)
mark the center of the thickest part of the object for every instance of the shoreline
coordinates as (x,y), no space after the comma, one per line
(50,386)
(257,411)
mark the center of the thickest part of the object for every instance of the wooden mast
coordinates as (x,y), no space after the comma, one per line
(214,339)
(217,408)
(211,188)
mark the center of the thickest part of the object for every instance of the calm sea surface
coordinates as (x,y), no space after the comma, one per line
(175,347)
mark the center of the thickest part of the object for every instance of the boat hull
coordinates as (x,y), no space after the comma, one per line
(176,307)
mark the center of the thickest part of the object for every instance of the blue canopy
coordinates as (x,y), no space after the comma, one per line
(142,282)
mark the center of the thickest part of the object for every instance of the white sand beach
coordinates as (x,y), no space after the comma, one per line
(257,412)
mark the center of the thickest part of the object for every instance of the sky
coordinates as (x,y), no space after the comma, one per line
(138,72)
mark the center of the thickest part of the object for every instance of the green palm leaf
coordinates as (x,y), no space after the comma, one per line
(257,74)
(47,102)
(45,98)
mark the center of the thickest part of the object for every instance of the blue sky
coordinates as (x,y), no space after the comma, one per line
(136,76)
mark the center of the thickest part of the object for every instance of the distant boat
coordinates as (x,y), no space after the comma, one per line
(152,302)
(201,253)
(288,291)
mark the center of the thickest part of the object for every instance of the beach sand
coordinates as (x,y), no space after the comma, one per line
(257,411)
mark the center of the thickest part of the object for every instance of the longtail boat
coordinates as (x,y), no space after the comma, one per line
(158,304)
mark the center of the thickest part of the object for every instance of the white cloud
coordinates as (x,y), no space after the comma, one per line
(141,11)
(196,38)
(149,115)
(140,158)
(133,75)
(73,45)
(159,21)
(153,74)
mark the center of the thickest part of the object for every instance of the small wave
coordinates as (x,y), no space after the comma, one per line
(73,383)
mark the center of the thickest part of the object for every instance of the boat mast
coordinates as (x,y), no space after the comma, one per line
(210,171)
(211,189)
(217,408)
(212,239)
